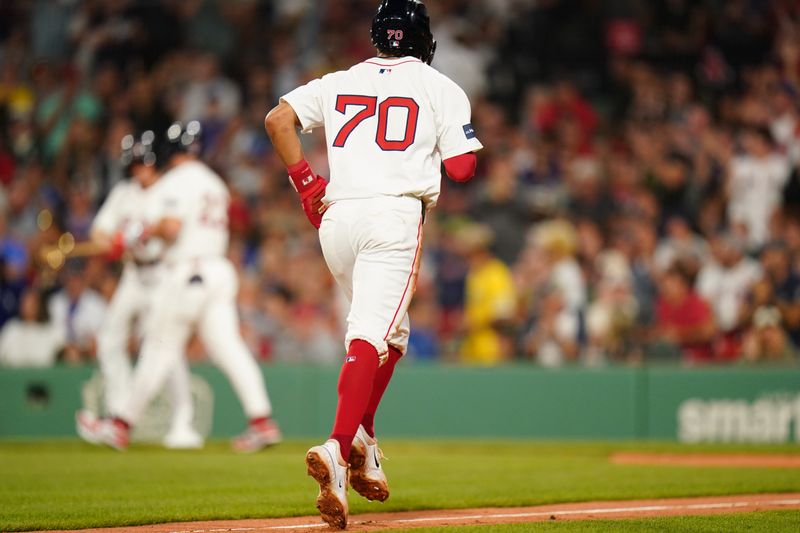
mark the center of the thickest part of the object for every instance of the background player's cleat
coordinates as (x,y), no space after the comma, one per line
(87,424)
(113,433)
(366,475)
(183,439)
(326,466)
(257,437)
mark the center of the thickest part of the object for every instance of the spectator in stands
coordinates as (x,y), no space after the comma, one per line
(558,241)
(755,185)
(680,244)
(499,206)
(490,299)
(31,340)
(725,282)
(564,110)
(780,287)
(77,311)
(59,109)
(554,313)
(684,320)
(423,341)
(14,263)
(767,342)
(588,193)
(552,338)
(611,316)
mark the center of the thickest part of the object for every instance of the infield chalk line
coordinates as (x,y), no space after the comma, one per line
(610,510)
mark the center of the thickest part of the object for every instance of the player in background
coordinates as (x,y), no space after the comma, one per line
(197,292)
(118,231)
(389,123)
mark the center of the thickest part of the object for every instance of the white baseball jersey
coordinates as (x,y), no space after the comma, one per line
(197,196)
(755,193)
(197,291)
(128,203)
(389,123)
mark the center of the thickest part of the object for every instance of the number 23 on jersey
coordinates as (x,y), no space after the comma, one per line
(369,105)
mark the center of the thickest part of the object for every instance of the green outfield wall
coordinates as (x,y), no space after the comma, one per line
(693,405)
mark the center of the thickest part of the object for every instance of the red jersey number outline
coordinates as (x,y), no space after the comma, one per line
(369,104)
(214,210)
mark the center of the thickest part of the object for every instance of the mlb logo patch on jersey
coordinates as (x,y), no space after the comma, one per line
(469,131)
(385,71)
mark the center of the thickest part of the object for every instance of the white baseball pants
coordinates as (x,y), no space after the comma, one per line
(197,294)
(372,247)
(131,300)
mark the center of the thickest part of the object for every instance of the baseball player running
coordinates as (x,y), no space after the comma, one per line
(389,123)
(196,291)
(117,231)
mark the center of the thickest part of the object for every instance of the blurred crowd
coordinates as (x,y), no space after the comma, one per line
(637,200)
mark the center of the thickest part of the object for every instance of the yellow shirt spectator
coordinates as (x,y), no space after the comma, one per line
(490,298)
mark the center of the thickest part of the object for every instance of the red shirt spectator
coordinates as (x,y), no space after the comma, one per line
(684,318)
(567,105)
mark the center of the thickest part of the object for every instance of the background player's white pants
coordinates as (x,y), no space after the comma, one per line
(131,299)
(197,294)
(372,247)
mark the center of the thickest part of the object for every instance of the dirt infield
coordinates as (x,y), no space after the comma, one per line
(704,460)
(488,516)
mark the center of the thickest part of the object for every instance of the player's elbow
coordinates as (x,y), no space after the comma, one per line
(461,167)
(169,229)
(271,122)
(280,117)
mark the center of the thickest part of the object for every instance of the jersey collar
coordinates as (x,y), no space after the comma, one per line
(391,61)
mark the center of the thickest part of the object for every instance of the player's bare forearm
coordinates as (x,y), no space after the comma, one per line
(101,239)
(281,124)
(166,229)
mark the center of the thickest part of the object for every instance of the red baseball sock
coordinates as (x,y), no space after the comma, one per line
(382,378)
(355,388)
(259,421)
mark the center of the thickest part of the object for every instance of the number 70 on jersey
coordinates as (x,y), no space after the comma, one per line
(369,107)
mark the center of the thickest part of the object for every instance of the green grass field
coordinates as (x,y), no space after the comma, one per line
(67,484)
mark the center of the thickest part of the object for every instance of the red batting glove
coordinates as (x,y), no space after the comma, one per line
(311,189)
(118,246)
(126,239)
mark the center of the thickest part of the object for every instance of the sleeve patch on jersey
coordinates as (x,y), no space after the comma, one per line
(469,131)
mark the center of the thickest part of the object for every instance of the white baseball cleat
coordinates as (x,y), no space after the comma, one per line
(326,466)
(87,424)
(366,475)
(183,439)
(257,437)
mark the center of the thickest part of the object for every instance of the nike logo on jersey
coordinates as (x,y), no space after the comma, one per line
(469,131)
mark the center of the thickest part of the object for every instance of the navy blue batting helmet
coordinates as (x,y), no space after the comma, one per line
(152,148)
(403,28)
(180,138)
(138,149)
